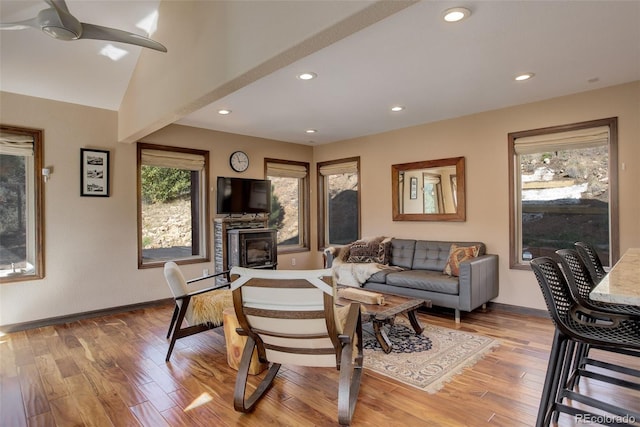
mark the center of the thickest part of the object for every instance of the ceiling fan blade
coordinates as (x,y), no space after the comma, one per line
(20,25)
(97,32)
(58,5)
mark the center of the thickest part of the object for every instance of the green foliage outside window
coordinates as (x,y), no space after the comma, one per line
(161,185)
(276,217)
(12,194)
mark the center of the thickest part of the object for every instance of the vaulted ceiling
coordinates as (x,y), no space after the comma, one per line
(436,70)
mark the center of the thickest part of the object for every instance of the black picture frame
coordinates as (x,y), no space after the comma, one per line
(413,189)
(94,173)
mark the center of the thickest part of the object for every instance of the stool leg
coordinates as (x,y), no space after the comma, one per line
(552,379)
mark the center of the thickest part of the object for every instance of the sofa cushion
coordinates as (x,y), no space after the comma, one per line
(402,252)
(458,254)
(381,276)
(424,280)
(431,255)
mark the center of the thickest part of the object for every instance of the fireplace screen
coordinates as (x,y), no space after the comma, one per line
(252,248)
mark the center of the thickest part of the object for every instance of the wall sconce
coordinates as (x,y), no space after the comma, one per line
(46,173)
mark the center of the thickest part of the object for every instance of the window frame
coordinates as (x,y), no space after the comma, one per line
(204,234)
(304,216)
(322,200)
(38,202)
(438,198)
(514,167)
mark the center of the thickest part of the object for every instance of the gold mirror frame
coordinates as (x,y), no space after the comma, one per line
(400,170)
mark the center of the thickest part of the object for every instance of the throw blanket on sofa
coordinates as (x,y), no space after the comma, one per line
(354,274)
(360,260)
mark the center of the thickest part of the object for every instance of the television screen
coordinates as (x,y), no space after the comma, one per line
(242,195)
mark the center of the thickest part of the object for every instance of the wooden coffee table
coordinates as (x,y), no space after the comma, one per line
(385,314)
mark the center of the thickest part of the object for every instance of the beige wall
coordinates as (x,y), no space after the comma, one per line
(91,253)
(90,242)
(482,140)
(221,145)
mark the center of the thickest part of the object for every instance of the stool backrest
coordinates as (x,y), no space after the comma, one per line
(577,274)
(589,256)
(555,289)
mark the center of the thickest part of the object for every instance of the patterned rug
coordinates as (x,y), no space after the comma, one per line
(426,361)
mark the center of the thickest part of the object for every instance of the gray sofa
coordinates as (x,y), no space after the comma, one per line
(416,270)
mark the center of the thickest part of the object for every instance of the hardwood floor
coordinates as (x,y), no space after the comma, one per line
(110,370)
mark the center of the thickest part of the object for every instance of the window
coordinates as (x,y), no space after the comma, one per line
(563,189)
(432,188)
(21,204)
(338,202)
(173,205)
(289,203)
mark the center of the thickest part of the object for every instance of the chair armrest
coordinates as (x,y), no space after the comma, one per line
(597,319)
(202,291)
(197,279)
(346,337)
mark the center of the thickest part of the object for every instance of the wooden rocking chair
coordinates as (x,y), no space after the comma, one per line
(290,318)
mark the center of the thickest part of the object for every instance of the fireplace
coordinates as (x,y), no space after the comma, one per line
(252,247)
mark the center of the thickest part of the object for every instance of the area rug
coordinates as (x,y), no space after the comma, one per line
(426,361)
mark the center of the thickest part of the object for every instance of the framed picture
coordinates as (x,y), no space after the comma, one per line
(413,193)
(94,173)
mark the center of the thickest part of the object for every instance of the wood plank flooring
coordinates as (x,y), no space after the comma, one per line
(110,371)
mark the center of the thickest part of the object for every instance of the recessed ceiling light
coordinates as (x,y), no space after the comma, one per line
(311,131)
(456,14)
(397,108)
(524,76)
(307,76)
(224,111)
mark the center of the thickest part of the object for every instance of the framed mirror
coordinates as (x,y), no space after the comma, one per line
(431,190)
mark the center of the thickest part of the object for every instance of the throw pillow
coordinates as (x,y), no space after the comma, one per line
(457,254)
(374,250)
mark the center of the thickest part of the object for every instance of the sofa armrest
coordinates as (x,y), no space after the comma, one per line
(332,253)
(478,281)
(329,254)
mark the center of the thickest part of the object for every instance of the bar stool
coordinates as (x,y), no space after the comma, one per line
(589,256)
(580,285)
(577,324)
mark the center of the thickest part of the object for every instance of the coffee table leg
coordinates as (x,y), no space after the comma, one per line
(381,336)
(414,322)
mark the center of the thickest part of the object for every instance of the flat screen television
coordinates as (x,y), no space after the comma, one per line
(243,196)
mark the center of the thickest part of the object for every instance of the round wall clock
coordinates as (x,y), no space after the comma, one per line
(239,161)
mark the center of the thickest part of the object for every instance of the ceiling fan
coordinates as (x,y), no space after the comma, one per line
(57,22)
